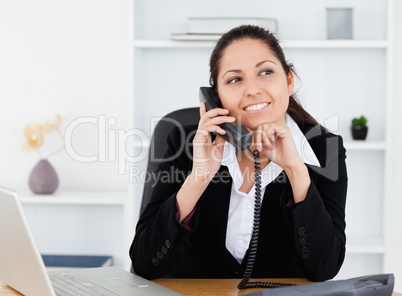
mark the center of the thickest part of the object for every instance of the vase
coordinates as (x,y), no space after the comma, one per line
(359,132)
(43,178)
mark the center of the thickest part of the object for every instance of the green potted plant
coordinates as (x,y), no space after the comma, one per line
(359,128)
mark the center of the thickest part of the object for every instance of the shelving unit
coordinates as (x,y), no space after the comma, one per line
(366,145)
(76,198)
(346,78)
(82,223)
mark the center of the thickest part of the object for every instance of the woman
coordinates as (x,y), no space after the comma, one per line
(202,226)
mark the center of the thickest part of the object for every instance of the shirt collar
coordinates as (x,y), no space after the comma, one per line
(302,145)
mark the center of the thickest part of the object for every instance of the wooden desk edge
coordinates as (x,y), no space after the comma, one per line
(194,286)
(7,291)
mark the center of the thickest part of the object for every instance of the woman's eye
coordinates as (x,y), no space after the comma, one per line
(234,80)
(265,72)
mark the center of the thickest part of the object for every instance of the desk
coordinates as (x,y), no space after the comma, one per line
(197,287)
(7,291)
(227,287)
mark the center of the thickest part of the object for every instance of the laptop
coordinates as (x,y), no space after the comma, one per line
(22,268)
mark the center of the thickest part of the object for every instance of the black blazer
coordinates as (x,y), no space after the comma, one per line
(302,240)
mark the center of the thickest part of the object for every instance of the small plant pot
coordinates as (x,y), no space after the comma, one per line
(359,132)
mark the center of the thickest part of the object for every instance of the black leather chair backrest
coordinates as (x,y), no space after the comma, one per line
(158,147)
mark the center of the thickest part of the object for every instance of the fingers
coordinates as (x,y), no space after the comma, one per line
(213,112)
(203,109)
(262,137)
(257,138)
(218,147)
(210,120)
(267,141)
(215,129)
(212,125)
(281,133)
(219,120)
(266,135)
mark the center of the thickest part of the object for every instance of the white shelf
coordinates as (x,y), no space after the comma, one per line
(365,245)
(76,198)
(330,44)
(365,145)
(162,43)
(361,44)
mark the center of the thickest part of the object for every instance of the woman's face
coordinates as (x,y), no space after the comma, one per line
(252,84)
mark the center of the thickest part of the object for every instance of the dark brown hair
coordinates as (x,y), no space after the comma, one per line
(295,110)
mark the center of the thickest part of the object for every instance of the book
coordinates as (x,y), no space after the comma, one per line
(76,261)
(194,37)
(222,25)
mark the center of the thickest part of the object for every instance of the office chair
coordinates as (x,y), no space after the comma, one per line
(158,147)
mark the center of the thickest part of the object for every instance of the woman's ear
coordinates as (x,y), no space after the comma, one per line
(291,82)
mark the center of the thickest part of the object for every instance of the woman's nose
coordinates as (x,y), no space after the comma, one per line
(253,89)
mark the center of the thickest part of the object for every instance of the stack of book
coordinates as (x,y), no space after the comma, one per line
(211,29)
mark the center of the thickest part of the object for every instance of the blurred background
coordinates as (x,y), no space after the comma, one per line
(111,70)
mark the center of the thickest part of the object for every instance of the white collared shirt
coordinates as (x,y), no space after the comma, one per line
(241,208)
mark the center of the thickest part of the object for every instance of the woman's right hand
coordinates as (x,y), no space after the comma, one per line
(207,156)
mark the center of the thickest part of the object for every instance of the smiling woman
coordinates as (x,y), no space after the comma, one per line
(202,227)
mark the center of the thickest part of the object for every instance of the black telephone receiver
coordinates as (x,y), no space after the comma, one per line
(238,135)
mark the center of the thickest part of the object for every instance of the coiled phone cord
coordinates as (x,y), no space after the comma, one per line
(244,284)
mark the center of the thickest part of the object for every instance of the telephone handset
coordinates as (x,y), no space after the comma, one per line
(239,136)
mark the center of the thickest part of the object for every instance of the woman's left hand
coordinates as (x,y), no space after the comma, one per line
(276,142)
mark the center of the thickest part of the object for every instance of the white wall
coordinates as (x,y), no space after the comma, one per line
(396,254)
(68,57)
